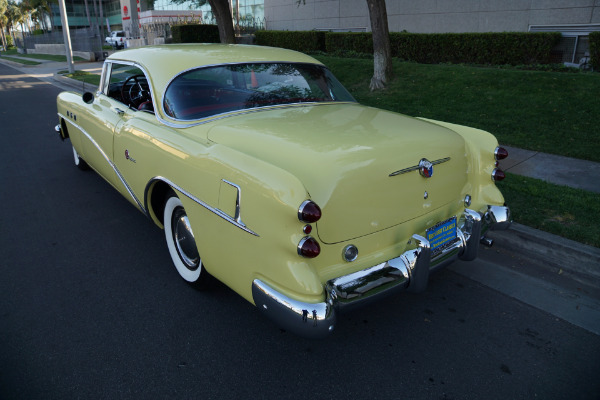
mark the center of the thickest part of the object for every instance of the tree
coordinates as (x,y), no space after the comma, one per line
(26,10)
(13,13)
(221,9)
(3,22)
(382,50)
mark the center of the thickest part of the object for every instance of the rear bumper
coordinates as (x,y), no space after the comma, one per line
(408,272)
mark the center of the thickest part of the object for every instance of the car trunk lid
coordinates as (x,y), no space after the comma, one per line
(344,155)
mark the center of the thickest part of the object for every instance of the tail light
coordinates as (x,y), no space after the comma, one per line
(309,247)
(500,153)
(309,212)
(498,174)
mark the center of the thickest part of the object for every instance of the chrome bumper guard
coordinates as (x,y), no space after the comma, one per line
(408,272)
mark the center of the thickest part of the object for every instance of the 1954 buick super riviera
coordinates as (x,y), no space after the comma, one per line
(265,173)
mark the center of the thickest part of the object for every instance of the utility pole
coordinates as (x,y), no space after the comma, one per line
(66,34)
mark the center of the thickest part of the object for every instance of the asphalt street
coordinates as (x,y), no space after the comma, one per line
(91,307)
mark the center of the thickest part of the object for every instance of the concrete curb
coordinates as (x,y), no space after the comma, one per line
(576,259)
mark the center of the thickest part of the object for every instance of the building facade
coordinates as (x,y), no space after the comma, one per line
(431,16)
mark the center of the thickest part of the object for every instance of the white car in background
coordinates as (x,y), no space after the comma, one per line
(116,39)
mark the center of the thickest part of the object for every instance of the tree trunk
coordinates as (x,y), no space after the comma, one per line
(87,13)
(382,51)
(222,12)
(101,24)
(95,19)
(4,44)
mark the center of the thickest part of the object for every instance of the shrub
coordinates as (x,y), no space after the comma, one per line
(595,50)
(349,42)
(195,33)
(512,48)
(304,41)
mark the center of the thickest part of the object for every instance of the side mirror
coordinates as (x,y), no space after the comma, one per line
(88,97)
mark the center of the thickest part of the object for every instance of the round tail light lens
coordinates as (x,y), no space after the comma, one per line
(309,212)
(309,247)
(498,174)
(500,153)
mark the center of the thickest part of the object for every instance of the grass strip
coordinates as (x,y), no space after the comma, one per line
(83,76)
(561,210)
(48,57)
(20,61)
(551,112)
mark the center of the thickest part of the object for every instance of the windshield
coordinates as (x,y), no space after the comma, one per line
(204,92)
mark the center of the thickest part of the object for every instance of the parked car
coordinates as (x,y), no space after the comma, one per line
(116,39)
(265,173)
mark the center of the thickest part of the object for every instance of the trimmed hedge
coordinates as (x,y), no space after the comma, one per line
(513,48)
(198,33)
(304,41)
(595,50)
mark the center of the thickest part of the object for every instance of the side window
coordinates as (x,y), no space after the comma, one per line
(128,84)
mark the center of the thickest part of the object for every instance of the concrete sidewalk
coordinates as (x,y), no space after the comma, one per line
(580,174)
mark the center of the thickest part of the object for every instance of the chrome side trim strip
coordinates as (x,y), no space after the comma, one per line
(238,202)
(108,160)
(416,167)
(203,204)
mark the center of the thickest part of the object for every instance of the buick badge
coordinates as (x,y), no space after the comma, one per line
(425,168)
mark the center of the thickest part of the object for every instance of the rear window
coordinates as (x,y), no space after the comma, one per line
(120,34)
(209,91)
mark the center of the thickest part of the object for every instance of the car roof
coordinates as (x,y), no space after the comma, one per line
(166,61)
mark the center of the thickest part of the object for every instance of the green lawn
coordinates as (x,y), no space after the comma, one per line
(552,112)
(20,61)
(83,76)
(561,210)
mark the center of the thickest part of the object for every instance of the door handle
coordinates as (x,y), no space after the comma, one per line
(119,111)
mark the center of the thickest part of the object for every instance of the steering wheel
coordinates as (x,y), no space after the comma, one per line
(136,94)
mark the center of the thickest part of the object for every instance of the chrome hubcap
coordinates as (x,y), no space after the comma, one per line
(183,238)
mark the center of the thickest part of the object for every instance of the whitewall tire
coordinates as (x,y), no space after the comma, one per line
(181,242)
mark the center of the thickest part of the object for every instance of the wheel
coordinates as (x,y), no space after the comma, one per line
(181,243)
(79,162)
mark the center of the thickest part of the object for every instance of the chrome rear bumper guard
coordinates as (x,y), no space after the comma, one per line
(408,272)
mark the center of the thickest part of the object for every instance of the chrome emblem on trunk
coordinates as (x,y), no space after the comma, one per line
(425,167)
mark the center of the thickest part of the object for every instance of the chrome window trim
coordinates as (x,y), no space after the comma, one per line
(217,117)
(202,203)
(112,165)
(186,123)
(146,74)
(106,67)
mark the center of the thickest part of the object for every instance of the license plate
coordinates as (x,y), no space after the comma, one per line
(442,233)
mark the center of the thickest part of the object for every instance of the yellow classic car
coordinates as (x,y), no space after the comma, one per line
(265,173)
